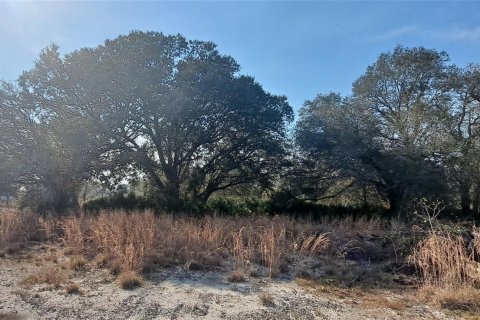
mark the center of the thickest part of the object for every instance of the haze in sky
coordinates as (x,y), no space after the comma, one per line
(297,49)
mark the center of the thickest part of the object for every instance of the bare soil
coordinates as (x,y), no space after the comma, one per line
(175,293)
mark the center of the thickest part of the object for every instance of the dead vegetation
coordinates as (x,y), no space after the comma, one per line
(237,276)
(140,241)
(54,277)
(73,288)
(346,258)
(78,263)
(266,299)
(447,264)
(129,280)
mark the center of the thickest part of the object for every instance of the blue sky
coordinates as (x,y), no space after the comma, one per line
(297,49)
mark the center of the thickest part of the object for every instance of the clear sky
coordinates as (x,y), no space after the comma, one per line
(297,49)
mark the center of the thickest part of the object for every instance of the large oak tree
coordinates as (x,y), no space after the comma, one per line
(175,110)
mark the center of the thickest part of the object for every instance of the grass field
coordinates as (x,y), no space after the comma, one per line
(371,264)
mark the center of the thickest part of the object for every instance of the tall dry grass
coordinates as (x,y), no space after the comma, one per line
(135,240)
(443,259)
(448,265)
(16,227)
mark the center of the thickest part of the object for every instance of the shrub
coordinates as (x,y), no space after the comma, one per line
(51,276)
(16,227)
(236,276)
(101,260)
(266,299)
(129,280)
(78,263)
(72,288)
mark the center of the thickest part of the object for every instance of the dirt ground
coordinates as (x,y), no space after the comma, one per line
(175,293)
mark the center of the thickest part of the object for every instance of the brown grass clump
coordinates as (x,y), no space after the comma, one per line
(127,237)
(442,259)
(448,268)
(78,263)
(466,298)
(16,227)
(313,245)
(52,276)
(114,267)
(101,260)
(266,299)
(128,240)
(129,280)
(72,288)
(236,276)
(75,233)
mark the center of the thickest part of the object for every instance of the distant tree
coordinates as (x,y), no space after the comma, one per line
(461,147)
(387,134)
(42,155)
(332,136)
(405,92)
(173,109)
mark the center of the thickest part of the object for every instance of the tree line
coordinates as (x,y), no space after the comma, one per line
(177,115)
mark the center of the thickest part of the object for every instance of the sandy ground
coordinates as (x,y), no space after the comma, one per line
(178,294)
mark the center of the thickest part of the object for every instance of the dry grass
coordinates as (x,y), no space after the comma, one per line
(72,288)
(236,276)
(466,298)
(51,276)
(266,299)
(114,267)
(368,298)
(129,280)
(15,227)
(130,238)
(78,263)
(449,269)
(443,259)
(101,260)
(131,241)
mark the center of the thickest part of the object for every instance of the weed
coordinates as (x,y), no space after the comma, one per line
(465,298)
(52,276)
(129,280)
(266,299)
(114,267)
(236,276)
(72,288)
(101,260)
(78,263)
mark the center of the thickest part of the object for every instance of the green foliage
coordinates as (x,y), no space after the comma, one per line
(235,205)
(177,114)
(386,136)
(120,200)
(172,109)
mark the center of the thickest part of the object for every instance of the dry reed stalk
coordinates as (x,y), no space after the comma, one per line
(442,259)
(76,232)
(16,226)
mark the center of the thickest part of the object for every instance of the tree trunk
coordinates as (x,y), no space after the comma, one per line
(464,190)
(476,198)
(364,195)
(395,199)
(172,193)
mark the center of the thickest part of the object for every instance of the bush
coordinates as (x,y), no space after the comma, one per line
(231,205)
(129,280)
(78,263)
(121,200)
